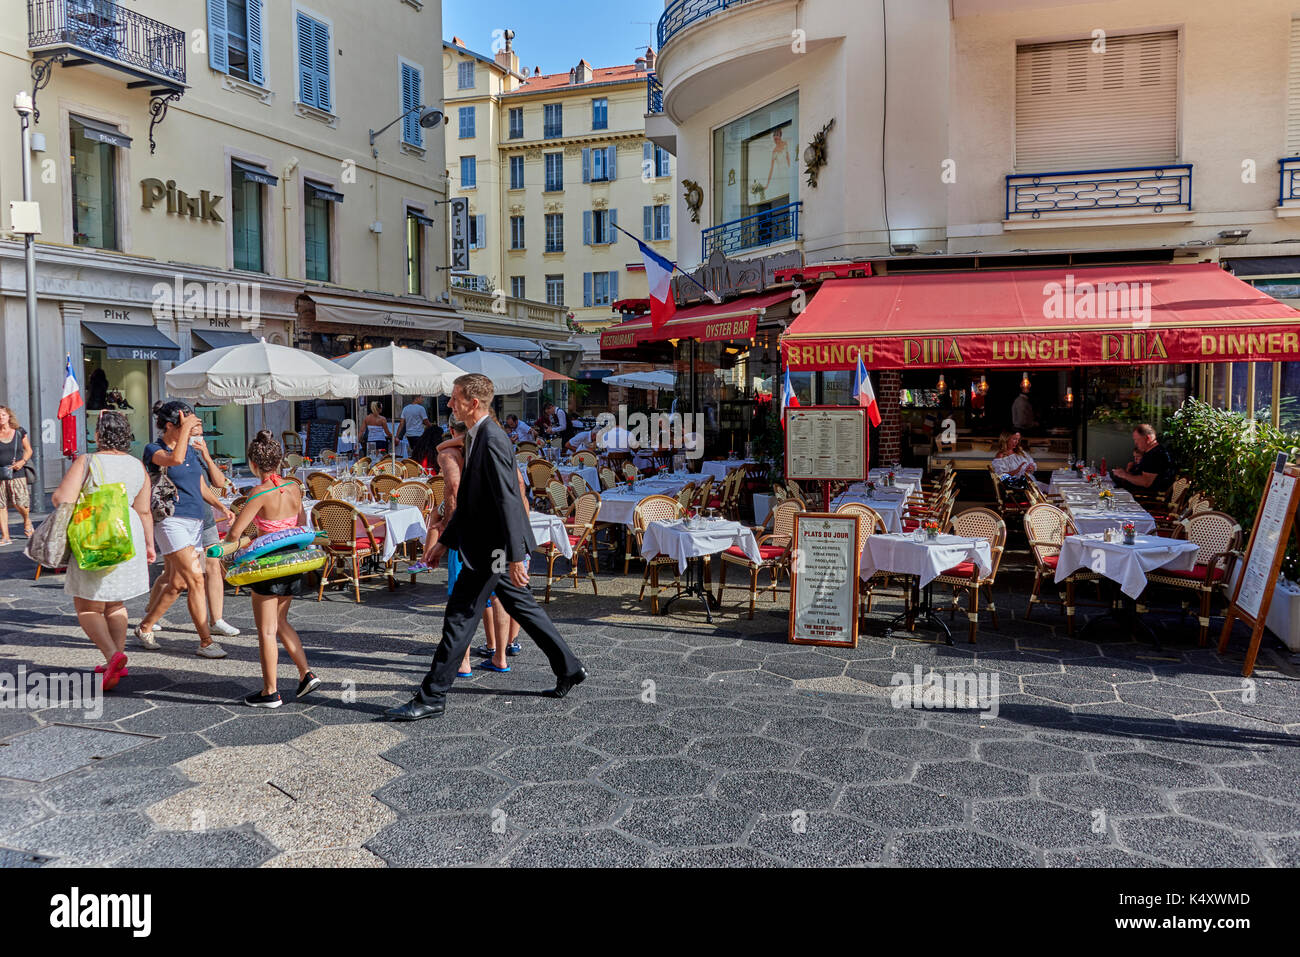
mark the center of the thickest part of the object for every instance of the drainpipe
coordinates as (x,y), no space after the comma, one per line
(286,207)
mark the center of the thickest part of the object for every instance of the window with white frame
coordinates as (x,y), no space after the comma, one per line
(552,120)
(555,290)
(478,231)
(598,227)
(235,39)
(516,122)
(554,172)
(599,288)
(599,165)
(517,287)
(516,232)
(555,232)
(516,172)
(600,113)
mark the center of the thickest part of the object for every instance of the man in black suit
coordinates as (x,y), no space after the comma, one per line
(491,532)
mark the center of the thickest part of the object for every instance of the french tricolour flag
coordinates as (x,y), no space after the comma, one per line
(788,398)
(68,405)
(864,394)
(659,274)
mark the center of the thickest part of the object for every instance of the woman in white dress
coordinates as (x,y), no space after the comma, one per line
(99,595)
(1012,460)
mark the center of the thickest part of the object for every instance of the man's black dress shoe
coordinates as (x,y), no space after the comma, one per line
(415,709)
(566,684)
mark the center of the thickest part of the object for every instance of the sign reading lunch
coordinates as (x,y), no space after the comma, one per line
(824,581)
(1122,346)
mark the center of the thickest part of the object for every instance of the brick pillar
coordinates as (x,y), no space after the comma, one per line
(889,437)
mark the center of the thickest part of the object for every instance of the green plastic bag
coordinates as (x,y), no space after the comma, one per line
(99,533)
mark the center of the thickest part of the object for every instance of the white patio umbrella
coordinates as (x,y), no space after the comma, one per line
(393,369)
(644,380)
(508,374)
(258,372)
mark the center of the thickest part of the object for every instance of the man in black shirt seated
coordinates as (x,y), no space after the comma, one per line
(1152,469)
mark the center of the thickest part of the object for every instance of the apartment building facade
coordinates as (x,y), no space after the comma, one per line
(550,165)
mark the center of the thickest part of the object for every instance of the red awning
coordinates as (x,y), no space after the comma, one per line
(737,319)
(1113,315)
(549,375)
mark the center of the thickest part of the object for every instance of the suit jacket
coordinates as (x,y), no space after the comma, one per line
(489,513)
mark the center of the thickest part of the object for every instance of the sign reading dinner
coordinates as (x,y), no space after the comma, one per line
(824,606)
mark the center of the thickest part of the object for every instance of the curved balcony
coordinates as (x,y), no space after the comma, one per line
(680,15)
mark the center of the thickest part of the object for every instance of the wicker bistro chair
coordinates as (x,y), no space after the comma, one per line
(347,546)
(318,484)
(293,460)
(608,479)
(526,446)
(870,523)
(988,525)
(557,499)
(1046,527)
(686,496)
(584,459)
(411,468)
(1219,537)
(385,467)
(729,498)
(773,550)
(582,539)
(291,442)
(655,508)
(382,484)
(578,484)
(523,458)
(704,493)
(540,474)
(630,472)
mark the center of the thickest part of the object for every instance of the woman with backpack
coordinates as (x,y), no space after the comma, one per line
(98,596)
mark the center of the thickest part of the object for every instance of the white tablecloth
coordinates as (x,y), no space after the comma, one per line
(719,470)
(550,528)
(589,474)
(1063,479)
(617,504)
(903,485)
(677,541)
(902,554)
(1089,518)
(914,476)
(1126,564)
(400,524)
(888,507)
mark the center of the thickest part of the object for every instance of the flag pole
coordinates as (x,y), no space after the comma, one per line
(708,292)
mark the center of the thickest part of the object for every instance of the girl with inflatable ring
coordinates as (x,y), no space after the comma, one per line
(273,506)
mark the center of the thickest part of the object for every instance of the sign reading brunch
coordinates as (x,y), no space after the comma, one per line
(824,580)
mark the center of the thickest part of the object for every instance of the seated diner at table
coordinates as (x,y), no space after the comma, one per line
(1152,469)
(1012,462)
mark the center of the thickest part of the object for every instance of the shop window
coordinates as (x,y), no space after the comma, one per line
(246,225)
(755,162)
(122,385)
(1264,391)
(1239,387)
(94,190)
(414,254)
(837,388)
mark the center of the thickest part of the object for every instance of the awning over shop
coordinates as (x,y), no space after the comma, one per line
(219,339)
(507,345)
(133,342)
(1114,315)
(393,315)
(102,132)
(720,322)
(549,375)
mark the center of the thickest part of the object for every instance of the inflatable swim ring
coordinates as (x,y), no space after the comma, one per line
(265,544)
(278,565)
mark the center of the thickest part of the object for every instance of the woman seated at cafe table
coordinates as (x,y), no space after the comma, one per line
(1012,461)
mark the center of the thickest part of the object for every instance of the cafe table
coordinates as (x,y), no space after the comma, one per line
(693,541)
(551,529)
(1090,516)
(719,469)
(921,559)
(1126,568)
(402,523)
(888,503)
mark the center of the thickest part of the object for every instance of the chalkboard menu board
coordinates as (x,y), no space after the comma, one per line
(322,436)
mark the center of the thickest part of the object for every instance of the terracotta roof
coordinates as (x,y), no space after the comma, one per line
(555,81)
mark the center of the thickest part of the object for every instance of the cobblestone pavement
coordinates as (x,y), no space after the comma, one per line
(690,744)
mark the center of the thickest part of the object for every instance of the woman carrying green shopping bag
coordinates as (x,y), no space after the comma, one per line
(98,593)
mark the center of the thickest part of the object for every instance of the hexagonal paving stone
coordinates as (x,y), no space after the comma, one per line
(1039,824)
(87,838)
(173,718)
(538,729)
(680,822)
(158,753)
(813,731)
(1097,791)
(199,849)
(329,857)
(342,742)
(1285,851)
(1153,770)
(451,841)
(551,762)
(918,743)
(1241,812)
(730,858)
(601,848)
(558,806)
(1168,699)
(775,792)
(1186,843)
(1098,857)
(320,779)
(710,720)
(901,806)
(957,848)
(111,789)
(455,751)
(742,751)
(1032,757)
(1264,780)
(822,839)
(19,811)
(971,779)
(429,792)
(248,763)
(808,664)
(215,806)
(341,821)
(841,765)
(253,730)
(657,777)
(615,711)
(637,741)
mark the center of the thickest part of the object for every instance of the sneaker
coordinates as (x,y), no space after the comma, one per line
(219,627)
(146,639)
(512,649)
(308,684)
(213,650)
(259,700)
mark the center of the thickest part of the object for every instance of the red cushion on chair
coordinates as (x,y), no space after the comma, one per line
(1196,574)
(1051,561)
(768,552)
(911,524)
(715,502)
(964,570)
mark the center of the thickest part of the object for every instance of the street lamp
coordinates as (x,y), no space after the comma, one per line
(24,107)
(429,118)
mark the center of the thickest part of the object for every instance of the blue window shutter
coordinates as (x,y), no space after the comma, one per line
(218,51)
(321,54)
(409,123)
(647,222)
(482,230)
(647,157)
(611,162)
(613,287)
(611,234)
(586,227)
(586,165)
(668,231)
(586,289)
(256,72)
(417,97)
(306,69)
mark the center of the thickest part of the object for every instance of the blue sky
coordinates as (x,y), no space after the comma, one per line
(555,35)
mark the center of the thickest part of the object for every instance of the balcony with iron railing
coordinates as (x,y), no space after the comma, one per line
(1099,193)
(654,94)
(1288,192)
(680,15)
(79,32)
(772,226)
